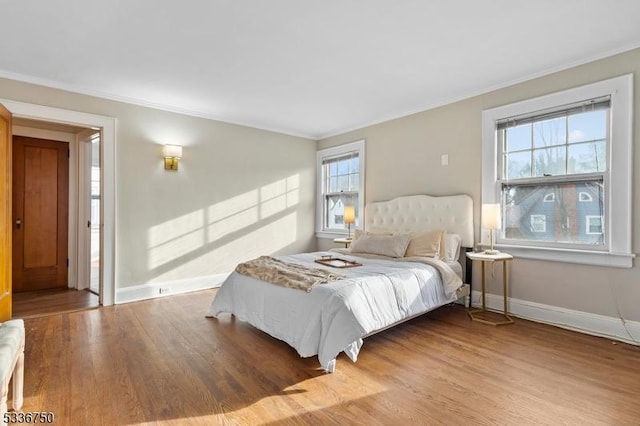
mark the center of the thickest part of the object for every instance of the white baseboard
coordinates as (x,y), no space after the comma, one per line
(150,291)
(597,325)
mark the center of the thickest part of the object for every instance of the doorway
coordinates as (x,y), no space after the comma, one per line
(107,126)
(75,211)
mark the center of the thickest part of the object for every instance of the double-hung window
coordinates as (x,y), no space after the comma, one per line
(547,159)
(560,168)
(340,177)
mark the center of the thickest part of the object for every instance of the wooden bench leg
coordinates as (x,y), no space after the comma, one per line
(12,337)
(3,399)
(18,382)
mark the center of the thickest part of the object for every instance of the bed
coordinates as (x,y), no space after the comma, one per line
(380,292)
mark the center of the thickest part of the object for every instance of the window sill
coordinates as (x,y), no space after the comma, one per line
(583,257)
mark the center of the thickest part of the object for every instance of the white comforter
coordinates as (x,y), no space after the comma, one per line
(334,317)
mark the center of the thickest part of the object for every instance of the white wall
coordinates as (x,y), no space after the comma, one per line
(403,157)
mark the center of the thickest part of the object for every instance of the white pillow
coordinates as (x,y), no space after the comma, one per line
(426,244)
(384,245)
(359,232)
(452,247)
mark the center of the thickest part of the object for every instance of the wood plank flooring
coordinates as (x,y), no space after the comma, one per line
(31,304)
(162,362)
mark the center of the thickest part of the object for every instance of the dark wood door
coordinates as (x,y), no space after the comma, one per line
(40,213)
(5,214)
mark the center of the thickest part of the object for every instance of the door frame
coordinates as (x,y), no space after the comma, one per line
(107,176)
(6,215)
(84,209)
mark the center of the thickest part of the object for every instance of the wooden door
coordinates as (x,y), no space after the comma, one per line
(40,213)
(5,214)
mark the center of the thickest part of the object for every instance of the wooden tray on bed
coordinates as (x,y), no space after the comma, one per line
(336,262)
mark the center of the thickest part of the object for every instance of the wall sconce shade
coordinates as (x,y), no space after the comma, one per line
(172,153)
(349,217)
(491,220)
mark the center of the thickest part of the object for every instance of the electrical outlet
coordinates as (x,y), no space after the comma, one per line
(164,290)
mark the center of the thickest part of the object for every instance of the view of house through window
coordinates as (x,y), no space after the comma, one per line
(554,166)
(529,215)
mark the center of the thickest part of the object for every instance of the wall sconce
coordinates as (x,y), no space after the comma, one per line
(349,218)
(172,153)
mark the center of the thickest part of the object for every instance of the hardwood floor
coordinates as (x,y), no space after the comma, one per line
(162,362)
(31,304)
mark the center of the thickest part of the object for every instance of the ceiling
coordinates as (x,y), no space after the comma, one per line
(311,69)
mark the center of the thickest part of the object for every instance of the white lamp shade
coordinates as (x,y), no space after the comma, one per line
(491,216)
(349,214)
(174,151)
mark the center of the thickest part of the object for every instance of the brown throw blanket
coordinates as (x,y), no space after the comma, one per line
(289,275)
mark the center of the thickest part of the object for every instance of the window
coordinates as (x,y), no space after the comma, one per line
(538,223)
(584,197)
(593,225)
(543,158)
(553,156)
(340,174)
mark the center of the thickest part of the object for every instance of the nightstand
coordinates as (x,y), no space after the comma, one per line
(345,241)
(483,315)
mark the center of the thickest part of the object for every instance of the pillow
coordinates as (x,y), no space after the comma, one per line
(452,246)
(384,245)
(426,244)
(359,232)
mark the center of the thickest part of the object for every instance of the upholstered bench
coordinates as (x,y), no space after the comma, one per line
(11,362)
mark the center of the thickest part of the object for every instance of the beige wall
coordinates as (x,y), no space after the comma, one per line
(240,192)
(403,157)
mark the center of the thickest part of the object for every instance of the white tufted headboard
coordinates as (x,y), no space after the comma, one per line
(453,213)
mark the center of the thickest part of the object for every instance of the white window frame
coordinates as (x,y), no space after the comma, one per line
(335,151)
(544,222)
(618,201)
(584,197)
(587,224)
(549,198)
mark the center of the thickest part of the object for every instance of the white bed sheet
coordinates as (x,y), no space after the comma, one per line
(334,317)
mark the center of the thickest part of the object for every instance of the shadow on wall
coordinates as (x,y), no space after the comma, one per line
(258,222)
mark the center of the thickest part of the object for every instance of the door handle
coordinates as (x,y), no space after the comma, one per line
(18,223)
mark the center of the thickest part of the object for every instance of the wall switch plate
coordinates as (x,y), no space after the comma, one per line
(444,159)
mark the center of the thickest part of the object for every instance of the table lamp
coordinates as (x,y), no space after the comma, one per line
(491,221)
(349,218)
